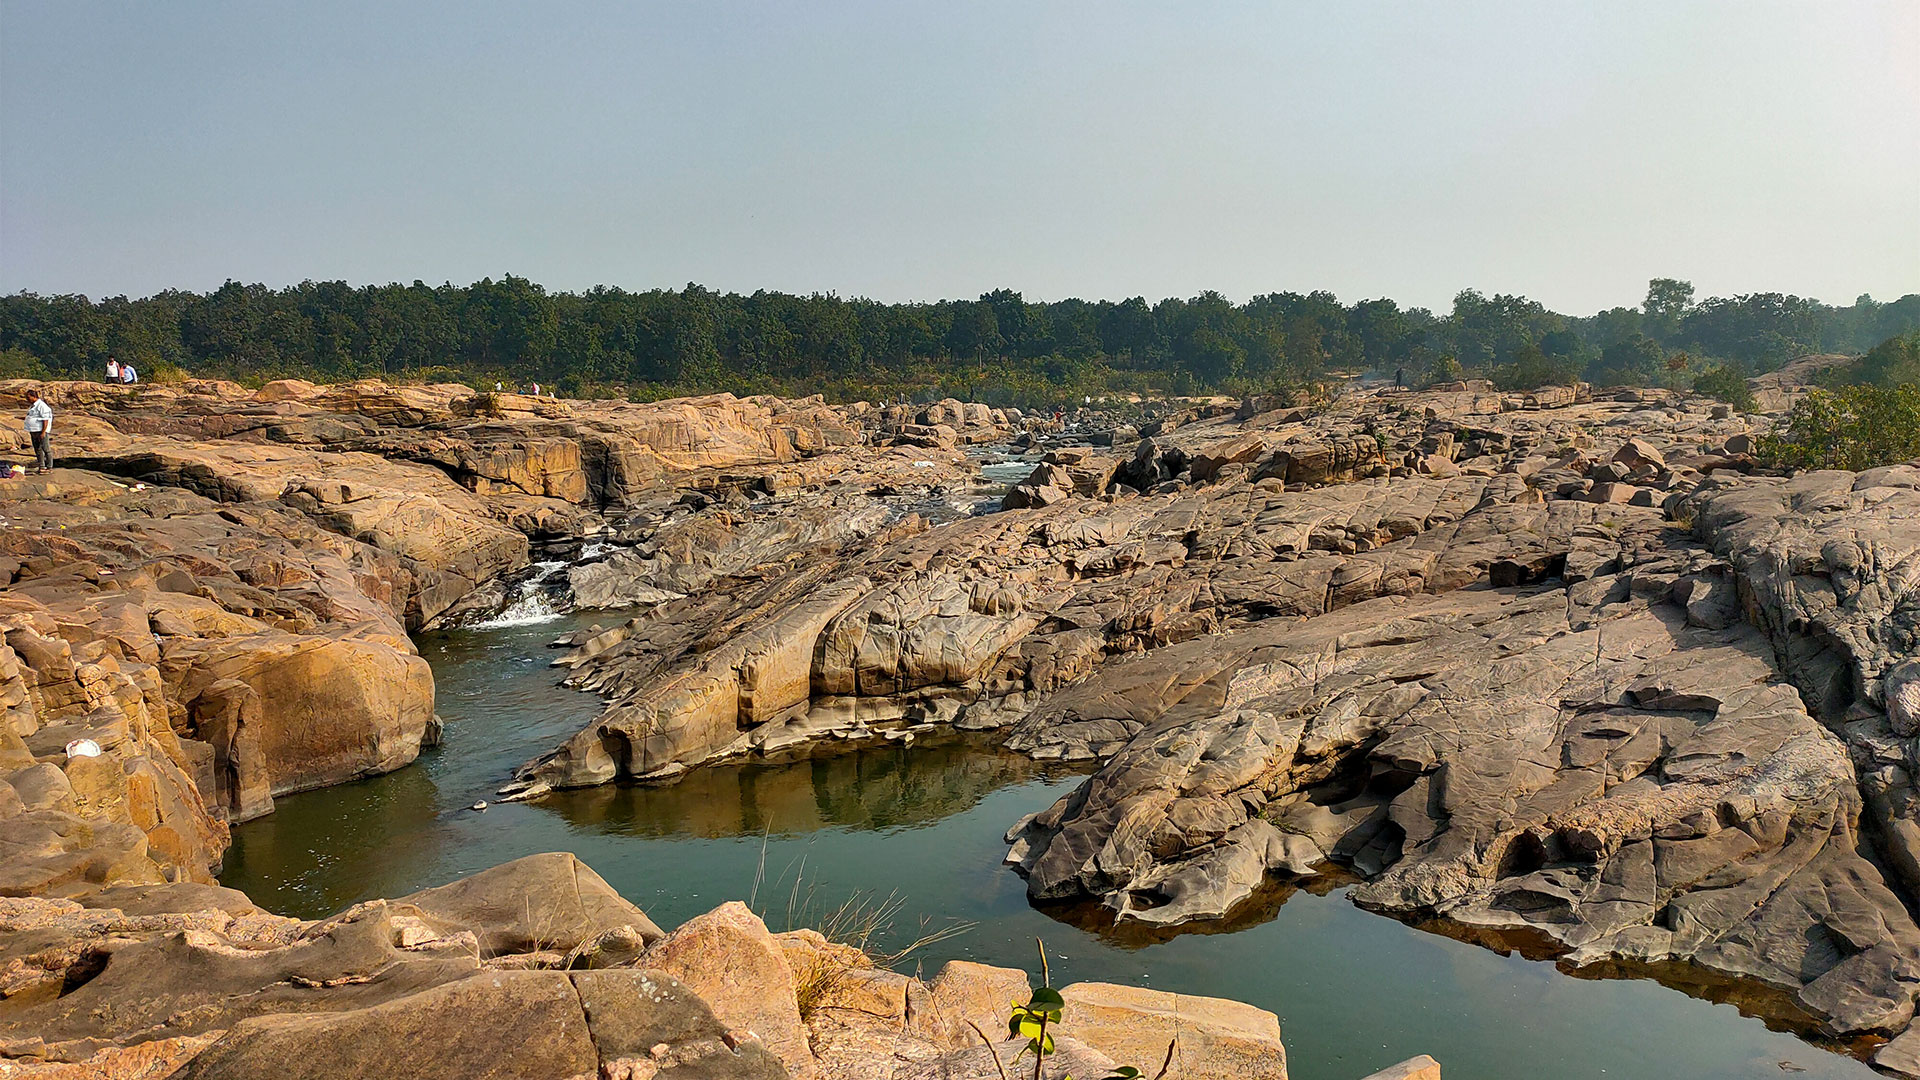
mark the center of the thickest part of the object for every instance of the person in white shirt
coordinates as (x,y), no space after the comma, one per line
(40,430)
(113,370)
(128,375)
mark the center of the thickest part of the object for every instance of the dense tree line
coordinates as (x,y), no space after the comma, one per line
(999,346)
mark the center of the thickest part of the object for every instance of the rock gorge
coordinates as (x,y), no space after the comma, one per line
(1562,671)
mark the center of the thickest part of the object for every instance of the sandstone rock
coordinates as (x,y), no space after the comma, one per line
(1213,1039)
(551,902)
(1244,449)
(1070,1057)
(322,709)
(1298,659)
(287,390)
(624,1025)
(1418,1068)
(645,1024)
(965,994)
(728,958)
(443,533)
(517,1024)
(1638,453)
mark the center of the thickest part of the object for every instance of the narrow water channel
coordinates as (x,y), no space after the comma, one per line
(1355,992)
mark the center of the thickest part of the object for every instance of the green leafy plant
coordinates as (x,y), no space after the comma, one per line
(1725,383)
(1893,362)
(1032,1019)
(1854,427)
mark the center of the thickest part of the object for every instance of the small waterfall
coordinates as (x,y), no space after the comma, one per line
(533,602)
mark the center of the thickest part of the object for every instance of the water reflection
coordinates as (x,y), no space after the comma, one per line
(877,787)
(1355,992)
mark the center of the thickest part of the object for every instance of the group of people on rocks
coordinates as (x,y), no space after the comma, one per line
(39,420)
(535,392)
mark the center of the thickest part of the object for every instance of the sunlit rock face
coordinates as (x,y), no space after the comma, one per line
(1540,666)
(1563,668)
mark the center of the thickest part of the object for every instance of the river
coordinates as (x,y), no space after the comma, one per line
(923,825)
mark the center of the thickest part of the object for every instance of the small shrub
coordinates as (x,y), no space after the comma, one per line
(1854,427)
(1031,1020)
(1447,369)
(1725,383)
(1531,369)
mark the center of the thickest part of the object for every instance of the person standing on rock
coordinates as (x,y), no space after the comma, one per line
(128,375)
(40,430)
(113,369)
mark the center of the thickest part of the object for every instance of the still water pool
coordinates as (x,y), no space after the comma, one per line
(1354,991)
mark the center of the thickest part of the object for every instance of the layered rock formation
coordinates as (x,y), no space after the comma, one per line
(215,656)
(535,969)
(1553,670)
(1556,670)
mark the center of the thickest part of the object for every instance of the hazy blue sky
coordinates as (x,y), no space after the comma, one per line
(896,150)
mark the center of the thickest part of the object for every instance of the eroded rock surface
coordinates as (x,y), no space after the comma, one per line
(1557,668)
(1552,667)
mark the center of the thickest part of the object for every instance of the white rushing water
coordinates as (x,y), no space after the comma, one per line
(534,604)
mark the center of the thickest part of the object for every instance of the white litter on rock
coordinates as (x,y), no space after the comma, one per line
(83,748)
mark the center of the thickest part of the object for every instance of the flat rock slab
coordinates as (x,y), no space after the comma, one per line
(1212,1038)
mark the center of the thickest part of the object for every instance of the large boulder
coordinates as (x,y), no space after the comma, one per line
(730,959)
(541,903)
(511,1025)
(321,709)
(503,1025)
(1212,1038)
(964,995)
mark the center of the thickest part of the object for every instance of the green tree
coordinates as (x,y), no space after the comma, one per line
(1667,302)
(1726,383)
(1213,357)
(1893,362)
(1761,330)
(1855,427)
(1634,361)
(1447,369)
(1532,368)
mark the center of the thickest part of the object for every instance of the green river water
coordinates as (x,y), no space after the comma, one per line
(1355,991)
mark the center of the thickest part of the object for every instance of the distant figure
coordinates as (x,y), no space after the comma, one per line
(113,370)
(1399,376)
(496,387)
(128,375)
(40,430)
(536,389)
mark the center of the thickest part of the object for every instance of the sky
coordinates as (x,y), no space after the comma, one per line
(901,150)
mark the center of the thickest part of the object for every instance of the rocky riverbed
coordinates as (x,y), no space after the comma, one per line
(1559,670)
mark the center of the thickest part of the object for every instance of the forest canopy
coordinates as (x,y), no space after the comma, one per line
(1000,347)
